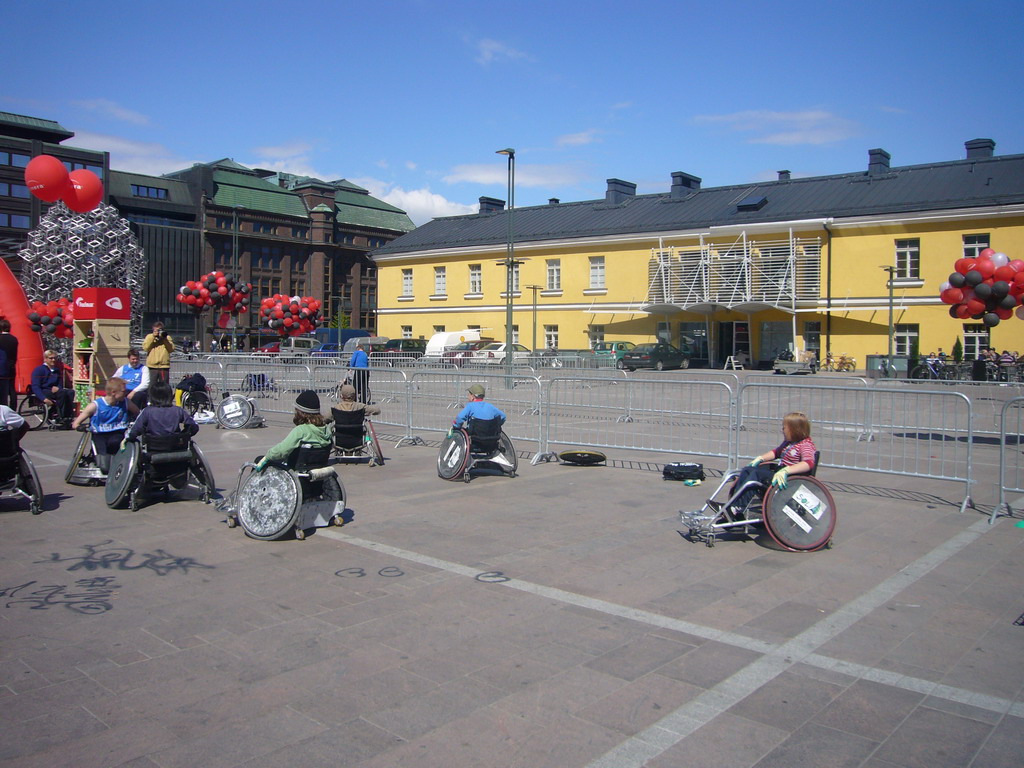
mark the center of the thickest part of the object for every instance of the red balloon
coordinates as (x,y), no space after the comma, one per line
(47,178)
(975,306)
(986,267)
(963,312)
(986,253)
(1019,278)
(963,266)
(1004,273)
(222,280)
(1004,314)
(952,296)
(223,290)
(85,192)
(1016,265)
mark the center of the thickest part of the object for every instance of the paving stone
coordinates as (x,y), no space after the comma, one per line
(728,741)
(638,657)
(639,704)
(417,715)
(709,664)
(869,709)
(787,701)
(935,739)
(822,747)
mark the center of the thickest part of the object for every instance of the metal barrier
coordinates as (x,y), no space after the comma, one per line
(436,397)
(816,380)
(663,415)
(987,397)
(914,433)
(1011,460)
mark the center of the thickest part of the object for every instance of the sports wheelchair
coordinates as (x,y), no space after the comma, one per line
(84,468)
(157,462)
(480,442)
(300,493)
(195,393)
(17,473)
(801,517)
(355,437)
(38,414)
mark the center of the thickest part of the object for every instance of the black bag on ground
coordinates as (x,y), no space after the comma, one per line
(193,383)
(683,470)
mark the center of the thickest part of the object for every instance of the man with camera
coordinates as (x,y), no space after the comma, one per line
(158,346)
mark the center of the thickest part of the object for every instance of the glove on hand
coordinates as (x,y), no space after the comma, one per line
(261,465)
(451,431)
(755,462)
(779,478)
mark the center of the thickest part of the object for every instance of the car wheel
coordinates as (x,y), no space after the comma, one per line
(659,366)
(684,363)
(620,365)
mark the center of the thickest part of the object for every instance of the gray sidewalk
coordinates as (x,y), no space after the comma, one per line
(554,619)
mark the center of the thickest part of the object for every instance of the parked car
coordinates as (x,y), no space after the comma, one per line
(401,350)
(330,349)
(495,353)
(463,353)
(656,355)
(611,352)
(271,348)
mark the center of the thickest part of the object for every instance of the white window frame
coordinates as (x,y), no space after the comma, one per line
(440,281)
(515,334)
(908,259)
(407,282)
(476,279)
(976,339)
(554,273)
(597,273)
(551,337)
(596,335)
(903,338)
(406,331)
(975,244)
(515,278)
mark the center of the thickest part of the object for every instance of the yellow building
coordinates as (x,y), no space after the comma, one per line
(734,271)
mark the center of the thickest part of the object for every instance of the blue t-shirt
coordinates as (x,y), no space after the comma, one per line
(478,409)
(109,418)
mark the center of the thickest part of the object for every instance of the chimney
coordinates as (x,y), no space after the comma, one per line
(619,191)
(783,175)
(553,201)
(979,148)
(489,205)
(878,161)
(683,184)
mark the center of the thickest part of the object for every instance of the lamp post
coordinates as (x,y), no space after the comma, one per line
(534,288)
(510,260)
(892,274)
(236,262)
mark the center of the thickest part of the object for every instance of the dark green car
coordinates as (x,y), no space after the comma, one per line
(657,355)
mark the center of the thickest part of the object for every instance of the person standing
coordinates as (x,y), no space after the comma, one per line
(9,346)
(360,369)
(158,346)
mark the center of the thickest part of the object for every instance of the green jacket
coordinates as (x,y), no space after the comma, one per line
(304,433)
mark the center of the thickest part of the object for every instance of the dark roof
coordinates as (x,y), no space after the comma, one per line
(967,183)
(26,127)
(178,200)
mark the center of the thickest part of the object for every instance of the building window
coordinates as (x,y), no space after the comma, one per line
(300,233)
(515,334)
(595,333)
(13,190)
(438,329)
(554,274)
(597,271)
(407,282)
(975,340)
(406,331)
(73,166)
(908,259)
(14,220)
(515,278)
(222,254)
(812,337)
(974,245)
(265,257)
(222,222)
(264,228)
(906,339)
(158,193)
(551,336)
(17,160)
(476,281)
(297,288)
(440,282)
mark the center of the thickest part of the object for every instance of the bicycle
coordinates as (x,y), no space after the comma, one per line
(933,369)
(886,369)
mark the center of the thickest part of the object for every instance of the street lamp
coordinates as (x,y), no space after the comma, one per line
(892,275)
(236,264)
(535,288)
(510,260)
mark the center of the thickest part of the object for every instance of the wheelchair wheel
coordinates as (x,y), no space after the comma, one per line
(203,475)
(508,451)
(802,516)
(235,412)
(453,456)
(82,455)
(33,412)
(29,483)
(124,468)
(196,401)
(268,504)
(376,454)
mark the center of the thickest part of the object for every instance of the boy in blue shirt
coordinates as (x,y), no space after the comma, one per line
(477,408)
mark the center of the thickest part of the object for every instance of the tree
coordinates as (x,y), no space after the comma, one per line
(958,351)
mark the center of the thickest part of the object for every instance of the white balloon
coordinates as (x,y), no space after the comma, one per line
(1000,259)
(944,286)
(1020,312)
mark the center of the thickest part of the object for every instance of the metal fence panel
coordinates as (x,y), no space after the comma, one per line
(918,433)
(663,415)
(1011,453)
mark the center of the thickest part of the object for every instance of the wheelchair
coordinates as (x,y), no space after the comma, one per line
(17,473)
(84,468)
(800,517)
(480,442)
(300,493)
(355,437)
(157,462)
(260,385)
(238,412)
(37,414)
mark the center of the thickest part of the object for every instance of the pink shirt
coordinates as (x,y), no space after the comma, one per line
(794,453)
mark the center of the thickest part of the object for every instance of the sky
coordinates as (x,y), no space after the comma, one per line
(411,99)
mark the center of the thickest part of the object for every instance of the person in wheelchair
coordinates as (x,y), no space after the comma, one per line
(484,442)
(48,387)
(478,408)
(311,429)
(162,417)
(349,417)
(794,455)
(108,420)
(17,473)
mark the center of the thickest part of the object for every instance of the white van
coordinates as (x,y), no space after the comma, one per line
(297,346)
(370,344)
(441,342)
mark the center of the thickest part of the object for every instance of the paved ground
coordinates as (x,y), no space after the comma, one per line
(555,619)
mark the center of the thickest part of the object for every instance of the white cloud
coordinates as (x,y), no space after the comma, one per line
(109,108)
(422,205)
(410,165)
(812,126)
(489,51)
(526,175)
(588,136)
(295,149)
(132,156)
